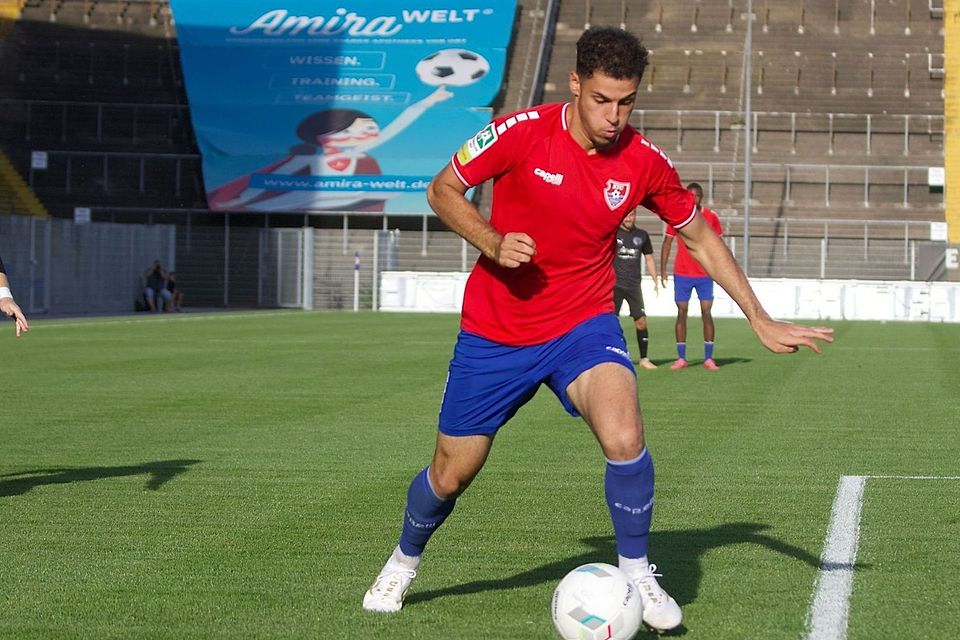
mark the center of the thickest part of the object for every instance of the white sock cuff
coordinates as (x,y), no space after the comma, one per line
(623,463)
(628,564)
(403,559)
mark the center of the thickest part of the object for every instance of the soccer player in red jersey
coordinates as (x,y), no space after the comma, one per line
(8,306)
(538,306)
(688,275)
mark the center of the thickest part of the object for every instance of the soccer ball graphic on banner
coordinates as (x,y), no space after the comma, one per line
(452,68)
(597,601)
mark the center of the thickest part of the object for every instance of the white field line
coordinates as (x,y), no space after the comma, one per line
(914,477)
(829,612)
(830,608)
(891,348)
(222,315)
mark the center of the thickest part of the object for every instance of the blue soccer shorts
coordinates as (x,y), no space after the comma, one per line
(683,286)
(488,382)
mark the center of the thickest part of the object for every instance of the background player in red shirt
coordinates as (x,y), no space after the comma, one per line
(688,275)
(8,306)
(538,306)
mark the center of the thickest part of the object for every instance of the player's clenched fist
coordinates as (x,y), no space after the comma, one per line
(515,249)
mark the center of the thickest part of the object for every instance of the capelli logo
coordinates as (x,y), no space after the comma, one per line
(555,179)
(279,22)
(617,350)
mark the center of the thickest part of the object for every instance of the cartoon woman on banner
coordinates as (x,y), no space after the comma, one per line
(335,144)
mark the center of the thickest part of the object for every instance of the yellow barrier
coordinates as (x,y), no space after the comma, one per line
(10,9)
(951,112)
(15,196)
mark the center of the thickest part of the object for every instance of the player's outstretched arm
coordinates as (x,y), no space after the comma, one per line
(446,196)
(780,337)
(664,255)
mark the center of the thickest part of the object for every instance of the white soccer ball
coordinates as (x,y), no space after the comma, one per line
(452,68)
(597,601)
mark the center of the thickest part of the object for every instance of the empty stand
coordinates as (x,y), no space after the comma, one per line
(848,116)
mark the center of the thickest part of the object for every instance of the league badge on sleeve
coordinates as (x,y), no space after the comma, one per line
(477,144)
(615,193)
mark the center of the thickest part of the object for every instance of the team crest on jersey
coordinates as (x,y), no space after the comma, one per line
(477,144)
(615,193)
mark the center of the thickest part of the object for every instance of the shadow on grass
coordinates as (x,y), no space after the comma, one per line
(160,472)
(723,362)
(679,554)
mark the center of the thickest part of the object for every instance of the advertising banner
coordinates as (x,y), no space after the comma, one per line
(306,106)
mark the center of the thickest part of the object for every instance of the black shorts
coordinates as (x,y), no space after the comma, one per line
(634,298)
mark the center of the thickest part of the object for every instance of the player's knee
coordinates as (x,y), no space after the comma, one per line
(449,483)
(640,323)
(625,444)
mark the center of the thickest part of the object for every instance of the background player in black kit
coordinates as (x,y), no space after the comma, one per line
(631,244)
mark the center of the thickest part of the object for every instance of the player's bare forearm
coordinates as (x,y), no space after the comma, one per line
(449,203)
(652,267)
(780,337)
(446,197)
(664,256)
(710,251)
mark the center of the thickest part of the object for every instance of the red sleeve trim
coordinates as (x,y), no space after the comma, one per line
(453,165)
(693,214)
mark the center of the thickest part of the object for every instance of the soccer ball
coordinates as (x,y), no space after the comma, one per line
(452,68)
(597,601)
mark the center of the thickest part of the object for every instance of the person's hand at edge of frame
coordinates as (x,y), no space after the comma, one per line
(12,309)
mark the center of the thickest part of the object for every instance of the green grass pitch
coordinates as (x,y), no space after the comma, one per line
(243,476)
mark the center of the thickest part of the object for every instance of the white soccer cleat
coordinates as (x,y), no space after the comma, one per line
(660,611)
(386,594)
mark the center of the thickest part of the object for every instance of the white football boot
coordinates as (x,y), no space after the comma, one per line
(660,611)
(386,593)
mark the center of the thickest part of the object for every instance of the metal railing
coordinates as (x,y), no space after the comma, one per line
(73,121)
(107,172)
(787,177)
(794,123)
(543,53)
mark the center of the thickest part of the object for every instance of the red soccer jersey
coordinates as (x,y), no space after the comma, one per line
(571,204)
(685,264)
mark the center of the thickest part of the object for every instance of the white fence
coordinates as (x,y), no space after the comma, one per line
(58,266)
(788,299)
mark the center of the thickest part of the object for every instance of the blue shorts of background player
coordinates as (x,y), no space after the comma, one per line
(683,286)
(488,382)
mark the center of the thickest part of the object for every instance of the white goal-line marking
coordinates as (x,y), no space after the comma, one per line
(829,611)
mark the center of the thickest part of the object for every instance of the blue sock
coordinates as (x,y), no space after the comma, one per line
(424,513)
(707,350)
(682,350)
(629,489)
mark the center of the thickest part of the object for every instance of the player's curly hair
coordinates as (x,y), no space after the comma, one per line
(617,53)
